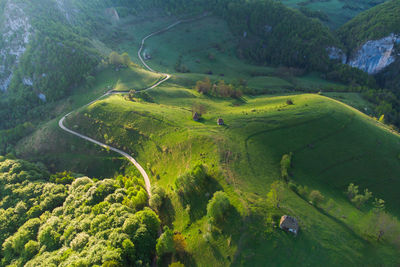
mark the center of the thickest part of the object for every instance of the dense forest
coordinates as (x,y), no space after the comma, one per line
(373,24)
(60,219)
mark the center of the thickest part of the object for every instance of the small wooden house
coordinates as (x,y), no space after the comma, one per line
(196,116)
(289,224)
(220,121)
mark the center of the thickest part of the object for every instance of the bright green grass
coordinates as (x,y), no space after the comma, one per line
(333,146)
(195,42)
(134,78)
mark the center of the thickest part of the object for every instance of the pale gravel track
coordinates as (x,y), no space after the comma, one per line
(126,155)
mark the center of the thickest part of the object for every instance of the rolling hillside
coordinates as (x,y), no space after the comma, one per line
(287,141)
(333,146)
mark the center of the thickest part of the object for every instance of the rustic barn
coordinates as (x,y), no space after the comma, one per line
(289,224)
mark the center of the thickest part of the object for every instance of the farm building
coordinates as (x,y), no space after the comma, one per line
(289,224)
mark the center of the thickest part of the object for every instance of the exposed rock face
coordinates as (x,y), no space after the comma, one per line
(16,31)
(375,55)
(335,53)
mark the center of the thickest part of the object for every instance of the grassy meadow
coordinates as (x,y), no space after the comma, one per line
(333,145)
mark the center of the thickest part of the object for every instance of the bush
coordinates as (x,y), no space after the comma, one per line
(316,197)
(165,243)
(218,207)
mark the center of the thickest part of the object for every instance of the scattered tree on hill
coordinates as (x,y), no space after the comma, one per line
(126,60)
(157,197)
(180,243)
(218,207)
(352,191)
(115,59)
(379,205)
(274,196)
(204,86)
(219,89)
(359,200)
(316,197)
(165,243)
(192,182)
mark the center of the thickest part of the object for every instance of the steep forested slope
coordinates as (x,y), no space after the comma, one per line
(373,24)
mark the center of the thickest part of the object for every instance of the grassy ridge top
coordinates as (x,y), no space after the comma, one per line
(373,24)
(333,146)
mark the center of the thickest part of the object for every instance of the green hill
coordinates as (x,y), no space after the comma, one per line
(373,24)
(333,13)
(333,145)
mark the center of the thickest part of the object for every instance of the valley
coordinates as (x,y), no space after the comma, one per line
(199,133)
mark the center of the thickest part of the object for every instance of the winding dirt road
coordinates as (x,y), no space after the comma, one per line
(126,155)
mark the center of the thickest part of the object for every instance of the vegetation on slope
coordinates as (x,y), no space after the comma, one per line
(337,146)
(373,24)
(62,220)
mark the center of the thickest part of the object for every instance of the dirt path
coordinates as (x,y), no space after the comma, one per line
(126,155)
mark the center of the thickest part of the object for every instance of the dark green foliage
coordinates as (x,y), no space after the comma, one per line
(192,183)
(348,75)
(314,14)
(62,178)
(373,24)
(218,207)
(8,138)
(165,243)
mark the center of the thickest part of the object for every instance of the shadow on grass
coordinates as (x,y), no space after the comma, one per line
(167,212)
(198,201)
(187,259)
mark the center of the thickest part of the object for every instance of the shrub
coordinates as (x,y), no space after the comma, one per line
(180,243)
(316,197)
(155,202)
(218,207)
(165,244)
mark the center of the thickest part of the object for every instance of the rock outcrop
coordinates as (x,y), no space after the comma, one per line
(374,56)
(335,53)
(15,29)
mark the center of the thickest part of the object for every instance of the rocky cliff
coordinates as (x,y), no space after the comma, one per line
(375,55)
(16,30)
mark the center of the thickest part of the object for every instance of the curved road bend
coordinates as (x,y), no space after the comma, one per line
(126,155)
